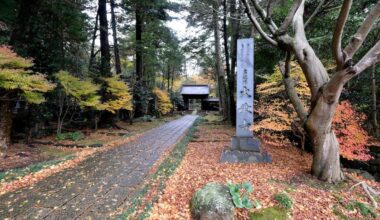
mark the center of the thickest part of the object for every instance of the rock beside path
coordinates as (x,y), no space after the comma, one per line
(212,202)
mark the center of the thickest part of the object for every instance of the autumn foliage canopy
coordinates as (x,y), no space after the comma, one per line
(87,94)
(18,80)
(164,104)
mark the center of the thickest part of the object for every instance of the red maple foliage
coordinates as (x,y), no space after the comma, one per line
(352,137)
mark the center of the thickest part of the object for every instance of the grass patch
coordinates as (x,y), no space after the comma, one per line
(284,200)
(164,171)
(353,205)
(51,153)
(18,173)
(364,209)
(269,214)
(213,117)
(74,136)
(317,184)
(340,214)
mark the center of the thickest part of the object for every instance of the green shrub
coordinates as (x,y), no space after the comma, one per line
(284,200)
(74,136)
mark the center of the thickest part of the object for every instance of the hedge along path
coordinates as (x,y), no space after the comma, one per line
(97,186)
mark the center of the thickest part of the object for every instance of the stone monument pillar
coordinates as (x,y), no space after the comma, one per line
(245,147)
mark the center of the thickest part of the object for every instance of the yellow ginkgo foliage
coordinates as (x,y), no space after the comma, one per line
(164,104)
(15,76)
(118,95)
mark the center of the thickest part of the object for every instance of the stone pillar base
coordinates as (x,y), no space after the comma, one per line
(245,144)
(237,156)
(245,150)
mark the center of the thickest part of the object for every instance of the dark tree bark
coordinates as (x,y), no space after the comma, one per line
(94,35)
(234,36)
(375,124)
(115,40)
(5,127)
(171,88)
(105,66)
(230,76)
(139,54)
(218,64)
(168,78)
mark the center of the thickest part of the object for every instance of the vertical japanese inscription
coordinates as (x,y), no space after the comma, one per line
(244,113)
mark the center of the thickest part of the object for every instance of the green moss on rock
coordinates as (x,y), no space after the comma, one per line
(271,213)
(213,201)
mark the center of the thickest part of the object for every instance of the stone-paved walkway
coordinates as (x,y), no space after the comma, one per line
(98,185)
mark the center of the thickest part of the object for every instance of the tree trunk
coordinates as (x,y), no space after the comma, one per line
(139,53)
(115,41)
(104,43)
(326,158)
(233,48)
(168,78)
(172,84)
(5,127)
(218,64)
(92,54)
(231,87)
(325,95)
(374,102)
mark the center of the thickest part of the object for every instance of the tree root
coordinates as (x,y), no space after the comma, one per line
(371,192)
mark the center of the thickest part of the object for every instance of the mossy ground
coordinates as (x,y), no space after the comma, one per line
(270,213)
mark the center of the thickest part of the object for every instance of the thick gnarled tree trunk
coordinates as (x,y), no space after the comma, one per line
(318,124)
(5,127)
(326,158)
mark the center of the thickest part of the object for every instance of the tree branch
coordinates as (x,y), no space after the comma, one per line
(265,17)
(289,18)
(367,189)
(337,38)
(257,25)
(290,88)
(316,11)
(361,34)
(371,58)
(299,27)
(269,8)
